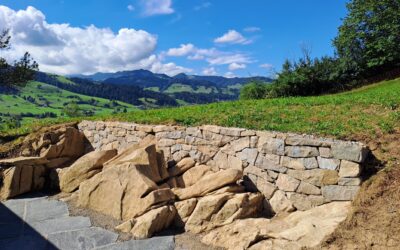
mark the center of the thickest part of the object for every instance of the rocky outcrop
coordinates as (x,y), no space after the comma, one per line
(53,149)
(300,229)
(84,168)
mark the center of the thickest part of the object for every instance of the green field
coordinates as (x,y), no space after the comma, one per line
(178,87)
(367,110)
(37,98)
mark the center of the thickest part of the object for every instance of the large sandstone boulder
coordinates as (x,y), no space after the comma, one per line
(84,168)
(123,191)
(209,183)
(149,223)
(21,179)
(221,209)
(70,143)
(181,167)
(300,229)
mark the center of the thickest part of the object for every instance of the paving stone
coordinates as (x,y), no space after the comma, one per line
(83,239)
(11,212)
(157,243)
(61,224)
(42,209)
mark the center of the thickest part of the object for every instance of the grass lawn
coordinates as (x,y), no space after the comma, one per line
(366,110)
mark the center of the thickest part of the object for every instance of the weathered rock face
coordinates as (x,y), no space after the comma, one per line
(209,183)
(122,191)
(30,173)
(296,231)
(84,168)
(149,223)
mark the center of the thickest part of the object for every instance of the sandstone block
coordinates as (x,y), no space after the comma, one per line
(339,193)
(299,163)
(209,183)
(181,167)
(194,174)
(349,169)
(350,181)
(316,177)
(307,188)
(349,151)
(298,140)
(274,146)
(301,151)
(325,152)
(265,163)
(325,163)
(287,183)
(153,221)
(249,155)
(84,168)
(280,203)
(305,202)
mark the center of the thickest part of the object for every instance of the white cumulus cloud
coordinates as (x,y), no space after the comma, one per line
(157,7)
(236,66)
(211,71)
(232,37)
(183,50)
(211,55)
(63,49)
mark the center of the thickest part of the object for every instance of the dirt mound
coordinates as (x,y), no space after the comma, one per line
(375,220)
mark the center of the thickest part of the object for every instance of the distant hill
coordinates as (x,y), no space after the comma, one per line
(147,79)
(186,89)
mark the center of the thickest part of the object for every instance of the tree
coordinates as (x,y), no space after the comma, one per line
(253,90)
(72,110)
(22,71)
(369,40)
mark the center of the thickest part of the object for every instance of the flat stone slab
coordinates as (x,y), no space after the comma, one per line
(43,209)
(42,224)
(88,238)
(60,225)
(156,243)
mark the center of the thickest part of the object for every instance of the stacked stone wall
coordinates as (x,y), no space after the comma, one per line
(292,171)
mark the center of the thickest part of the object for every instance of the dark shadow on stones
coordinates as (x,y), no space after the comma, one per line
(16,234)
(371,166)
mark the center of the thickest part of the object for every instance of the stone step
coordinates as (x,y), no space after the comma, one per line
(63,224)
(83,239)
(156,243)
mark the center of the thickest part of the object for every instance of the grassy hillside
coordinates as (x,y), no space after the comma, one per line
(38,98)
(365,111)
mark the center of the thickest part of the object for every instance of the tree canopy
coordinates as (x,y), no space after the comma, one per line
(19,73)
(367,45)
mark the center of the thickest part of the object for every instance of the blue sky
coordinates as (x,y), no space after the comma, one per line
(224,37)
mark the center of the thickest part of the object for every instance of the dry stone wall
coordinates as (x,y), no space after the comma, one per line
(292,171)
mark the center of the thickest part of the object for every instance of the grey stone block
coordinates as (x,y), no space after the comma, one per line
(301,151)
(42,209)
(83,239)
(349,151)
(339,193)
(156,243)
(61,224)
